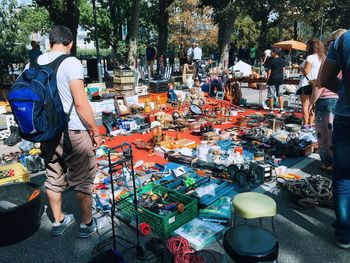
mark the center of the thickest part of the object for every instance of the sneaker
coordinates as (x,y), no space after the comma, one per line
(282,111)
(86,231)
(305,128)
(264,105)
(58,228)
(342,245)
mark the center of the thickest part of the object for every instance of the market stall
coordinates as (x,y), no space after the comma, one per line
(170,164)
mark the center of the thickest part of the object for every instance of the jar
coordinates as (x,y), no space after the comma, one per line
(259,156)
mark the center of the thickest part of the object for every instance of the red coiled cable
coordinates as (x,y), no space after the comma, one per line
(182,252)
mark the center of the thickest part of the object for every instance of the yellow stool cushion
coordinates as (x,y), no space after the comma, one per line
(253,205)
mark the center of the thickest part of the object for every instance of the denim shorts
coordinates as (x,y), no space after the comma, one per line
(324,107)
(275,90)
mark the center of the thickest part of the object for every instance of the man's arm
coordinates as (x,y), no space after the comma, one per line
(268,75)
(329,75)
(84,110)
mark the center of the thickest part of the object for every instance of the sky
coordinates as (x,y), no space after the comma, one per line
(24,2)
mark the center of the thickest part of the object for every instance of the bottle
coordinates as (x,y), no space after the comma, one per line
(147,107)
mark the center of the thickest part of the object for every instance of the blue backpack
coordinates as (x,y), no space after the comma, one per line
(36,104)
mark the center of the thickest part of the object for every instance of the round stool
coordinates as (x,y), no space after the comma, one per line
(252,205)
(247,244)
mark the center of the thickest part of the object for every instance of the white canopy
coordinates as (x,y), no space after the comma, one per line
(242,68)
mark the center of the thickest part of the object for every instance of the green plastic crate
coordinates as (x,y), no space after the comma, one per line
(163,225)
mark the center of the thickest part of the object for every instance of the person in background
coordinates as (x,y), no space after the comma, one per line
(252,55)
(338,59)
(309,70)
(151,55)
(323,102)
(77,170)
(266,59)
(35,52)
(171,57)
(161,64)
(190,53)
(275,79)
(197,54)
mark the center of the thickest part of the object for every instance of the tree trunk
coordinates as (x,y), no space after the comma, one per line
(132,32)
(295,30)
(315,28)
(163,18)
(280,32)
(262,36)
(224,34)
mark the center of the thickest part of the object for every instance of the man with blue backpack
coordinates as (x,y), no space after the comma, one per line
(50,106)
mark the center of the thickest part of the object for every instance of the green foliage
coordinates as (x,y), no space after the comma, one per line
(245,32)
(16,26)
(91,53)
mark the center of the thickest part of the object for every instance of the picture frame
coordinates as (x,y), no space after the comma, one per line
(220,95)
(121,105)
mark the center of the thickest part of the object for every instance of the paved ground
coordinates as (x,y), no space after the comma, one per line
(305,235)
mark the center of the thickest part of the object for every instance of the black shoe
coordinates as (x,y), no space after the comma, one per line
(14,138)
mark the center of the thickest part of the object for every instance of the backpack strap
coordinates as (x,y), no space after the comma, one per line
(343,66)
(54,66)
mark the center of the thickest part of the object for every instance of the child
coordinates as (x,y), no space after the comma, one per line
(161,64)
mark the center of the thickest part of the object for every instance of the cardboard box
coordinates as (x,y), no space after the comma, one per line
(123,73)
(105,105)
(122,80)
(124,86)
(100,85)
(21,173)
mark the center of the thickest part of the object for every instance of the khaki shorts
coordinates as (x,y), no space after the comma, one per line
(78,171)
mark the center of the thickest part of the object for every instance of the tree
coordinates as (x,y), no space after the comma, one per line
(65,13)
(266,15)
(133,26)
(190,23)
(163,22)
(112,17)
(224,15)
(16,26)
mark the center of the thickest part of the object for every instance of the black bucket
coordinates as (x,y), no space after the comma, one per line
(22,217)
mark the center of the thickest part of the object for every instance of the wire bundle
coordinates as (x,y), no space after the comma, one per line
(182,252)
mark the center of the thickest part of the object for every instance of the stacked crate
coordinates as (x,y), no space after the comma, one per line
(124,82)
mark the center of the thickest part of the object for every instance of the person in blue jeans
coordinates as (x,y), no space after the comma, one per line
(338,59)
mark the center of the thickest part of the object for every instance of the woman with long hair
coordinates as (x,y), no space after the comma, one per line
(309,70)
(323,103)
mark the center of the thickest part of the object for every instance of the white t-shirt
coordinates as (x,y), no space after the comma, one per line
(189,52)
(315,67)
(70,69)
(197,53)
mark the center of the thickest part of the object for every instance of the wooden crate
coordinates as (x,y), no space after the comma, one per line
(123,80)
(21,173)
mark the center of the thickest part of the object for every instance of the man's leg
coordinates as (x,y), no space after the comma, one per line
(281,101)
(271,103)
(55,201)
(85,205)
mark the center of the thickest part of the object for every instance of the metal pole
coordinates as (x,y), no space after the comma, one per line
(99,73)
(321,33)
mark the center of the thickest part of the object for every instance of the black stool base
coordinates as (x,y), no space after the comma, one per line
(247,244)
